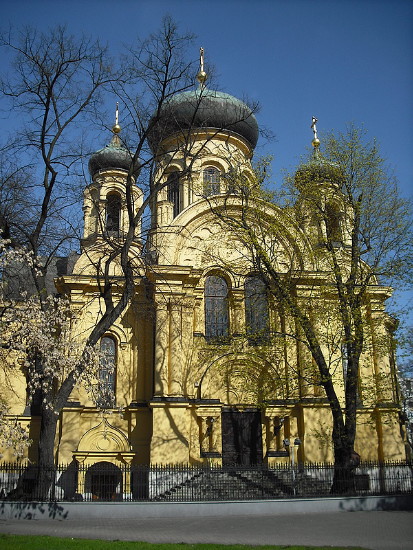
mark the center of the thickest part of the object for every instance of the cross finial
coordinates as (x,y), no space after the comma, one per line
(314,127)
(201,76)
(316,141)
(116,127)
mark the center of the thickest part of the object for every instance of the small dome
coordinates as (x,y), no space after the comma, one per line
(319,170)
(204,108)
(113,156)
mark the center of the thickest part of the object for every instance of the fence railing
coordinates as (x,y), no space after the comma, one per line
(104,481)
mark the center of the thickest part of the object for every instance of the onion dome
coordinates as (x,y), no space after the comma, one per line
(318,169)
(114,156)
(204,109)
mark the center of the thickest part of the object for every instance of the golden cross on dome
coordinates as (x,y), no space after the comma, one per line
(316,142)
(116,127)
(201,76)
(314,127)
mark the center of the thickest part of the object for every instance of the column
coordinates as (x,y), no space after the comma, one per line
(238,317)
(176,354)
(161,349)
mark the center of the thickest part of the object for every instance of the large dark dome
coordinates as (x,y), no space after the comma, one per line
(204,108)
(114,156)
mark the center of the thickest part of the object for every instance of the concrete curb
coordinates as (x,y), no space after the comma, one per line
(127,510)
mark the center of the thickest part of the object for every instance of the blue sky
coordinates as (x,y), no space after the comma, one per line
(340,60)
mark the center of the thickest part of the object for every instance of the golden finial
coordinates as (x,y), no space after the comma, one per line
(316,142)
(116,128)
(201,76)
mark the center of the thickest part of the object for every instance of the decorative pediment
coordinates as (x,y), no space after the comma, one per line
(104,438)
(240,377)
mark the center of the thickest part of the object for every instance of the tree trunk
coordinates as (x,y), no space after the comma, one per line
(346,461)
(44,485)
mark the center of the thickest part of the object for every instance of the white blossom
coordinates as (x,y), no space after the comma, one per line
(43,339)
(12,434)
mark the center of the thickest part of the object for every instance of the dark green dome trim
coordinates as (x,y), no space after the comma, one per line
(113,156)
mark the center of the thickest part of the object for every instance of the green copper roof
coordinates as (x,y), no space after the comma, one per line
(204,108)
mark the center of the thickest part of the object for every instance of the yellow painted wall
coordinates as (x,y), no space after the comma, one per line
(170,382)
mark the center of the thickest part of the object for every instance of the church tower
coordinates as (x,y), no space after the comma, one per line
(104,202)
(325,213)
(203,142)
(201,139)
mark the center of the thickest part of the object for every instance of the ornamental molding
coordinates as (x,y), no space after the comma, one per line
(103,438)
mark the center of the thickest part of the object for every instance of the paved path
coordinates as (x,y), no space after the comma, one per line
(372,530)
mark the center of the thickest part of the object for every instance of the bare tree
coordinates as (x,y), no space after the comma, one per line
(55,84)
(58,81)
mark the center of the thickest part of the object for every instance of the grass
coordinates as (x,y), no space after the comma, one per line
(23,542)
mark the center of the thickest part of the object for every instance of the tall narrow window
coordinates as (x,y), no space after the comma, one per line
(113,205)
(256,310)
(173,192)
(333,224)
(216,308)
(211,178)
(107,372)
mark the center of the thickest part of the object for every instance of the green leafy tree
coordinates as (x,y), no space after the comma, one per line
(343,229)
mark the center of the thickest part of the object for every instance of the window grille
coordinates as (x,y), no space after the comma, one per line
(173,192)
(333,224)
(106,398)
(113,206)
(211,179)
(216,308)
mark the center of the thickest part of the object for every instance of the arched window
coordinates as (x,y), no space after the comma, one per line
(256,310)
(333,224)
(173,192)
(211,178)
(107,372)
(113,206)
(216,308)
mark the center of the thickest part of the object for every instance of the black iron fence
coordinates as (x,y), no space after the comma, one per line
(104,481)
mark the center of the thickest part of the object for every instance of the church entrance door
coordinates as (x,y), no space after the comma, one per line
(104,481)
(241,438)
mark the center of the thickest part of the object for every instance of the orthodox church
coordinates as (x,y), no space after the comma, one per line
(197,374)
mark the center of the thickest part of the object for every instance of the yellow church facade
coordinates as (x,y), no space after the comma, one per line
(199,376)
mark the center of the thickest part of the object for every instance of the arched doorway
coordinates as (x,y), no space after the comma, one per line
(104,481)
